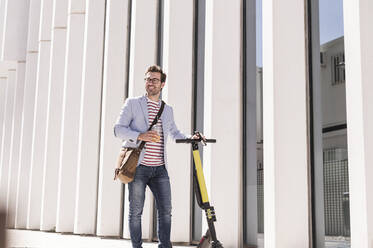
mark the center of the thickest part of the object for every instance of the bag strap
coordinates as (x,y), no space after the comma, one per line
(142,144)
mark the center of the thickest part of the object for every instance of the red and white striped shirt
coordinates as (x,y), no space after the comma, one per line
(154,150)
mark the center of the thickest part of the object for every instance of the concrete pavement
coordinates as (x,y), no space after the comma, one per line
(37,239)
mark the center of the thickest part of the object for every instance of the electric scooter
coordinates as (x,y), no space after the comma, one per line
(209,239)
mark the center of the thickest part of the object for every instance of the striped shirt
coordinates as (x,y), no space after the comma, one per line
(154,150)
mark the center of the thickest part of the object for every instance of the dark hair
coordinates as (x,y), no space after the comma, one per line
(157,68)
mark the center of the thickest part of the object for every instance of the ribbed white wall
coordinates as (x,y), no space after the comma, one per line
(14,30)
(178,93)
(223,117)
(14,147)
(113,93)
(70,117)
(27,125)
(2,16)
(3,100)
(7,138)
(142,54)
(54,116)
(359,101)
(286,200)
(4,66)
(40,117)
(90,114)
(143,43)
(3,86)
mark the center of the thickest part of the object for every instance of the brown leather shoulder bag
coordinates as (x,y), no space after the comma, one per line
(129,157)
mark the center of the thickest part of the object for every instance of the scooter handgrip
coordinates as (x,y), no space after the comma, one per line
(194,140)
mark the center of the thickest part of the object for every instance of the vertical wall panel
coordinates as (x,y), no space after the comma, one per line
(113,94)
(359,97)
(40,114)
(4,67)
(14,147)
(15,29)
(143,43)
(54,116)
(70,117)
(286,202)
(28,114)
(7,135)
(3,86)
(2,23)
(223,117)
(13,47)
(3,101)
(178,93)
(90,113)
(142,54)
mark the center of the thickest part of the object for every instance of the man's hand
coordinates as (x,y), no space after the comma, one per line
(198,135)
(150,136)
(195,136)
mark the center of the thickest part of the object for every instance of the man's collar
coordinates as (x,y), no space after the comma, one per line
(148,99)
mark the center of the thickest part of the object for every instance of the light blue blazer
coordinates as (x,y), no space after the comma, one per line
(133,120)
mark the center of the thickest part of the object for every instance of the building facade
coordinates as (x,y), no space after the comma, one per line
(67,66)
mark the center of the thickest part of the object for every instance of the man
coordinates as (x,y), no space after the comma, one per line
(136,116)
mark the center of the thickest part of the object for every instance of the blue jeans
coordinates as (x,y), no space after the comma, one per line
(159,183)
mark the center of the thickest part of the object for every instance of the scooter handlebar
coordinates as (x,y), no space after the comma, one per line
(195,140)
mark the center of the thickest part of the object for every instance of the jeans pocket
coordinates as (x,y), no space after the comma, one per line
(163,173)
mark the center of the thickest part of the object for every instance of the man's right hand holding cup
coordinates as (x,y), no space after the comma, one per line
(149,136)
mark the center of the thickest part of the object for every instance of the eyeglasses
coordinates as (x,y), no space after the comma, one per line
(152,80)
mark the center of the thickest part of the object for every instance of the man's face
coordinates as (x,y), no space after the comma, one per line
(153,85)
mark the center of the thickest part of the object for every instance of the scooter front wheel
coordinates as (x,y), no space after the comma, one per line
(216,244)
